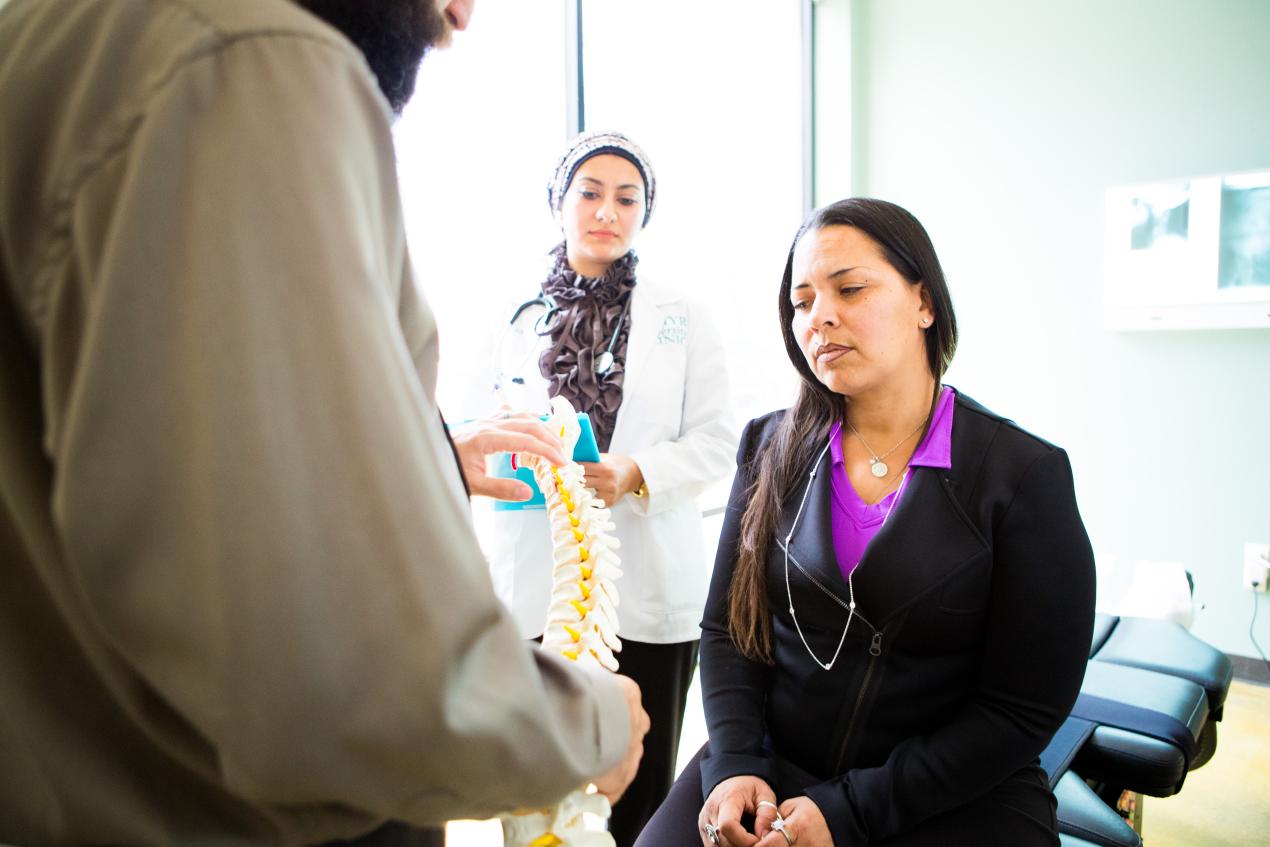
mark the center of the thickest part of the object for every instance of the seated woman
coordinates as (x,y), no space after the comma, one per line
(901,607)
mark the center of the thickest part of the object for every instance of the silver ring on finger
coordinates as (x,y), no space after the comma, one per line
(780,826)
(763,803)
(712,833)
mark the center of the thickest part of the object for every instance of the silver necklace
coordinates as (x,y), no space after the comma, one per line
(789,593)
(877,467)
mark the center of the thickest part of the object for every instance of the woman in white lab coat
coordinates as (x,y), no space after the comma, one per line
(647,365)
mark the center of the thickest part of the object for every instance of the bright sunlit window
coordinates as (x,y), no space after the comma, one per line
(712,91)
(475,148)
(719,116)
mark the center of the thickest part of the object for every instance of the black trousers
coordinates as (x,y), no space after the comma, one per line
(664,674)
(1020,812)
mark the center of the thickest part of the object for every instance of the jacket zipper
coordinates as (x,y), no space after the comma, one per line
(875,650)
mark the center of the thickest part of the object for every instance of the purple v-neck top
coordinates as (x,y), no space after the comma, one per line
(856,522)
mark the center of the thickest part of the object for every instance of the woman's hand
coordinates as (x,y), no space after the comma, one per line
(507,432)
(804,824)
(731,799)
(613,477)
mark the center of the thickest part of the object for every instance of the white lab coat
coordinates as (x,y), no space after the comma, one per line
(676,422)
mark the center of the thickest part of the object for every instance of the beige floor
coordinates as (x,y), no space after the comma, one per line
(1224,803)
(1227,801)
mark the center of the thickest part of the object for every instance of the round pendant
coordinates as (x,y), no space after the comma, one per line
(603,362)
(879,469)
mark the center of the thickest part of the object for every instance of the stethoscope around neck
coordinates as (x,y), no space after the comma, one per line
(542,325)
(789,539)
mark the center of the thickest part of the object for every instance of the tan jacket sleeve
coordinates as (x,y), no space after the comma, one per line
(252,483)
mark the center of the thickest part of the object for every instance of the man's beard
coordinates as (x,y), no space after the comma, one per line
(392,34)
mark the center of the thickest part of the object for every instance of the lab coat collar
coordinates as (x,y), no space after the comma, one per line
(645,324)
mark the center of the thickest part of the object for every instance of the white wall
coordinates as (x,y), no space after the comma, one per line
(1000,125)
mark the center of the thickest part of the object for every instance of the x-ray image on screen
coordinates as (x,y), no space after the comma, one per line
(1244,257)
(1161,213)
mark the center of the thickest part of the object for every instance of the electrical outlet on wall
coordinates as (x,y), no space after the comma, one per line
(1256,566)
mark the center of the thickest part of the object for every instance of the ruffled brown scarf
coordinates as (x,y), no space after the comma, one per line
(589,311)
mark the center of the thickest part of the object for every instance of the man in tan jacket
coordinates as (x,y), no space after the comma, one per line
(241,601)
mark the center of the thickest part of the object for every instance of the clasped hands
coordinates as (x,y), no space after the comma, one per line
(802,824)
(517,432)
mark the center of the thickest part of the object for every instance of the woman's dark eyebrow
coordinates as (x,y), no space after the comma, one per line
(629,185)
(833,275)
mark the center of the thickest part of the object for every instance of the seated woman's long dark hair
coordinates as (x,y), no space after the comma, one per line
(781,462)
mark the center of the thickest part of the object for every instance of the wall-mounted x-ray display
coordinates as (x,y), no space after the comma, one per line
(1244,238)
(1189,254)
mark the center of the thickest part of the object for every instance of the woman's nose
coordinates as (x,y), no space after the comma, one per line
(606,212)
(820,315)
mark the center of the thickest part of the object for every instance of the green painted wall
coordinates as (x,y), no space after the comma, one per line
(1001,124)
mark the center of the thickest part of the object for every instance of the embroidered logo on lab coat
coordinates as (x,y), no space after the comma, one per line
(674,330)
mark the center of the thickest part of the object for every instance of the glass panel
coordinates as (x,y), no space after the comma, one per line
(475,149)
(712,91)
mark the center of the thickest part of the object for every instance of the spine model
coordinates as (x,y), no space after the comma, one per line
(581,619)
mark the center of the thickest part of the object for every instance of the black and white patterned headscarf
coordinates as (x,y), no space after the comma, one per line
(590,144)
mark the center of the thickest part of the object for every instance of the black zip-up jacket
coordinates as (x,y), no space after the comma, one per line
(972,630)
